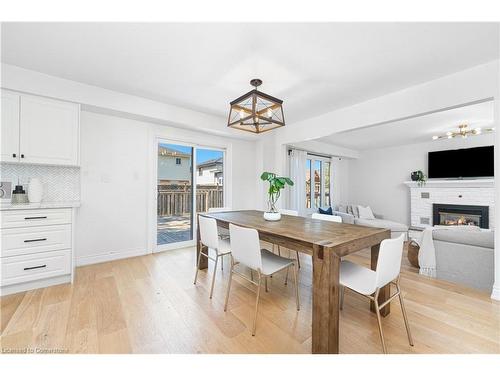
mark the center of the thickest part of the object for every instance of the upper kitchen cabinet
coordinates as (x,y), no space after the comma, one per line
(49,131)
(10,126)
(38,130)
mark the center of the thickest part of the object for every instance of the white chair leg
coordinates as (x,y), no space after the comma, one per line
(286,277)
(229,284)
(265,280)
(213,276)
(296,286)
(197,268)
(379,321)
(222,263)
(405,317)
(257,304)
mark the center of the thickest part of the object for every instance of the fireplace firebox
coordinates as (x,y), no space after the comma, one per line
(459,214)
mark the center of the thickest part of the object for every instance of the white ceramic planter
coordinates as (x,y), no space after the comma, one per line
(35,190)
(272,216)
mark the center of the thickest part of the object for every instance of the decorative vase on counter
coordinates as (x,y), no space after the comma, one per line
(35,190)
(414,176)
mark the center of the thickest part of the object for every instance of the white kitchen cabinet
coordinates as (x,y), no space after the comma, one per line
(36,248)
(38,130)
(49,131)
(10,127)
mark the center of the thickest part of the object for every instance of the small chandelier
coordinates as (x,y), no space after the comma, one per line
(256,111)
(464,132)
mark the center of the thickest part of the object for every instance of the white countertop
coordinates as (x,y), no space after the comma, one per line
(6,206)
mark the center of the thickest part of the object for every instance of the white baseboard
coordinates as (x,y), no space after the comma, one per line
(44,283)
(495,293)
(112,255)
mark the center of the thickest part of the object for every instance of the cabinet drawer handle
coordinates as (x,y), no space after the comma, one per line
(22,156)
(38,239)
(14,155)
(35,267)
(35,217)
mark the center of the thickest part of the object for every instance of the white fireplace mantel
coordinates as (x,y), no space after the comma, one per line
(477,183)
(479,192)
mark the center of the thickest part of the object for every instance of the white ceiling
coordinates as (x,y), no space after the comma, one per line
(315,68)
(414,130)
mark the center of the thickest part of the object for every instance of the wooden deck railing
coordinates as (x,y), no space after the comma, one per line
(173,201)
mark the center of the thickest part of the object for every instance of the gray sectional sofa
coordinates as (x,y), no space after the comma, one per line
(465,257)
(349,214)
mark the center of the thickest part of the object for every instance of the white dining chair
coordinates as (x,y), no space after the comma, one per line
(210,238)
(245,246)
(334,218)
(219,209)
(223,232)
(368,283)
(289,213)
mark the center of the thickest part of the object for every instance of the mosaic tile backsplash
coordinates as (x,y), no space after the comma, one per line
(59,183)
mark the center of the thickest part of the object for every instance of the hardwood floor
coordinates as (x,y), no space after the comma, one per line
(149,304)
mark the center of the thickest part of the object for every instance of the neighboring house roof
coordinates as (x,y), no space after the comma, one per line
(165,151)
(210,163)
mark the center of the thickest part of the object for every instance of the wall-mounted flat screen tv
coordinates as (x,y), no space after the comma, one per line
(461,163)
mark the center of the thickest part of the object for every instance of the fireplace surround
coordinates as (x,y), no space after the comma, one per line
(477,192)
(460,214)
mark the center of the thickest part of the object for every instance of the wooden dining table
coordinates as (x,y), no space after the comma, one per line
(327,242)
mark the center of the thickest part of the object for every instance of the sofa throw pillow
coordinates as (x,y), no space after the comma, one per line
(353,210)
(328,211)
(365,213)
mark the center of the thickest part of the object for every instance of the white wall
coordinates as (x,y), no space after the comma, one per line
(116,183)
(97,98)
(376,178)
(341,187)
(112,219)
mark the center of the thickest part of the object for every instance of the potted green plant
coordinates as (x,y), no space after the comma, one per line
(276,183)
(419,177)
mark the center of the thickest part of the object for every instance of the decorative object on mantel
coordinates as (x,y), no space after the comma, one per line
(256,111)
(464,132)
(275,185)
(35,190)
(419,177)
(19,195)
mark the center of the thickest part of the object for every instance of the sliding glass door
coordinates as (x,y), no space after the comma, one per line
(174,194)
(190,180)
(317,182)
(209,178)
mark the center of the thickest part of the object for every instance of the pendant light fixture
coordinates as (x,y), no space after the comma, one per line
(463,131)
(256,111)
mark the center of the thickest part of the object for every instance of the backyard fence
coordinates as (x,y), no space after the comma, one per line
(176,199)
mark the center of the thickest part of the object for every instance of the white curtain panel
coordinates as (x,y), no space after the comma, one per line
(297,192)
